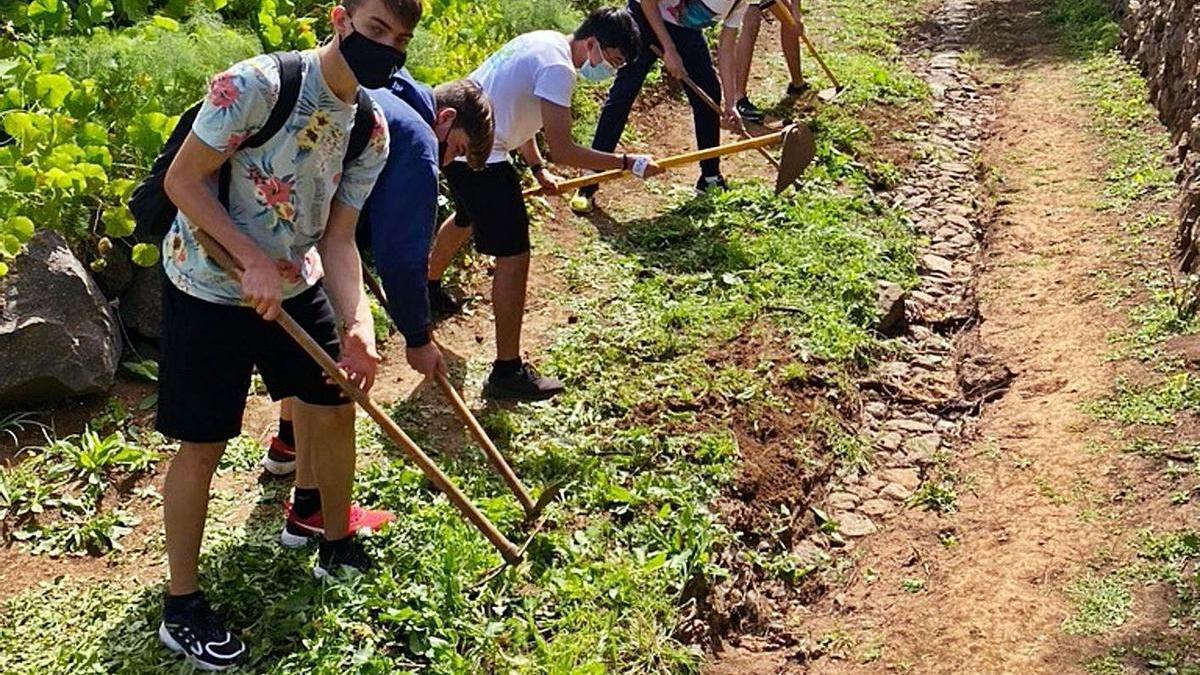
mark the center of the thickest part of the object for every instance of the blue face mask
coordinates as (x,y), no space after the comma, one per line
(598,72)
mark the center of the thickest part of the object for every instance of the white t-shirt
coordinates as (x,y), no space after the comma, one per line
(703,13)
(531,67)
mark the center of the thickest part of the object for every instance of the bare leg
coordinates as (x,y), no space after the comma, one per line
(325,436)
(305,478)
(789,43)
(185,508)
(449,239)
(285,410)
(745,48)
(508,302)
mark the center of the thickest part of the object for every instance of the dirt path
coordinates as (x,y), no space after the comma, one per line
(981,590)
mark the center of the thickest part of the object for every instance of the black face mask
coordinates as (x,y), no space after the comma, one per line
(371,62)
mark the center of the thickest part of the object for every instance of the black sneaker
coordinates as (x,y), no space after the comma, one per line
(750,112)
(525,384)
(707,183)
(344,556)
(797,90)
(441,302)
(195,631)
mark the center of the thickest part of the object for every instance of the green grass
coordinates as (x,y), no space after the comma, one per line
(1155,404)
(1102,604)
(1116,94)
(642,436)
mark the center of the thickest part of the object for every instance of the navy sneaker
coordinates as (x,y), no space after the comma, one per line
(707,183)
(344,556)
(750,112)
(196,632)
(523,384)
(797,90)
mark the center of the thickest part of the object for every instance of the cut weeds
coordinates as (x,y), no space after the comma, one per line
(657,415)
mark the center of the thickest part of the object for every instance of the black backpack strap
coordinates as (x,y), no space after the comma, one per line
(289,93)
(364,124)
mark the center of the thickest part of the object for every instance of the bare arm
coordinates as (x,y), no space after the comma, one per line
(654,18)
(728,70)
(556,125)
(187,185)
(344,283)
(671,59)
(529,150)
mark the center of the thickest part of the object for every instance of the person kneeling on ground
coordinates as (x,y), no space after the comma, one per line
(291,208)
(676,27)
(529,82)
(427,128)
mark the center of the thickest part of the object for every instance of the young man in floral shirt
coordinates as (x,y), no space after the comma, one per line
(291,215)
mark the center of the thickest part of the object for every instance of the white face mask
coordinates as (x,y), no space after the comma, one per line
(597,72)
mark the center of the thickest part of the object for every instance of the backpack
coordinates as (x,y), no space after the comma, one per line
(151,207)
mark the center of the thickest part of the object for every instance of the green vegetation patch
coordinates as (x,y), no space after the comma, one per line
(1102,604)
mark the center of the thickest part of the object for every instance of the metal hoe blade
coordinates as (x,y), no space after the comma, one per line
(799,149)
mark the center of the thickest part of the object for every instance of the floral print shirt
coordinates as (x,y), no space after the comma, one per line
(279,193)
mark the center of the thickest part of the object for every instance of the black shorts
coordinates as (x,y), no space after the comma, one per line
(490,201)
(210,350)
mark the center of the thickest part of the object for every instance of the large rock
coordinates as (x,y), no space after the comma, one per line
(141,305)
(58,336)
(1163,37)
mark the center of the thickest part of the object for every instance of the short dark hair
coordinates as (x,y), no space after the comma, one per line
(613,28)
(474,110)
(408,12)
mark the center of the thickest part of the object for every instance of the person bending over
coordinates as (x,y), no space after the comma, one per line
(529,82)
(676,28)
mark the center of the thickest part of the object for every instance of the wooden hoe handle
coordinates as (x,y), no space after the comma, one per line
(668,162)
(508,550)
(495,459)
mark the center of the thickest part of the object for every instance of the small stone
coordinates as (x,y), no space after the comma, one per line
(875,408)
(896,492)
(876,507)
(938,264)
(861,492)
(909,425)
(855,525)
(924,445)
(963,239)
(807,553)
(889,441)
(889,304)
(874,483)
(841,500)
(908,478)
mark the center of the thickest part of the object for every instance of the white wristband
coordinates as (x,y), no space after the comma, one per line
(640,164)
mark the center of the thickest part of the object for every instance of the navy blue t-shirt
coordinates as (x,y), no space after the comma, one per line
(399,217)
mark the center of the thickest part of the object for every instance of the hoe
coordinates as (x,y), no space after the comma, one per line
(799,148)
(532,509)
(511,553)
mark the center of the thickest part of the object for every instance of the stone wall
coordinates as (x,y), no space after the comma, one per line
(1163,37)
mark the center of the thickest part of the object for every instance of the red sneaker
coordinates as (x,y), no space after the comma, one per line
(280,459)
(299,531)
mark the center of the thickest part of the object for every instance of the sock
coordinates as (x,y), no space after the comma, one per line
(331,547)
(306,502)
(287,433)
(508,367)
(175,604)
(434,284)
(744,99)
